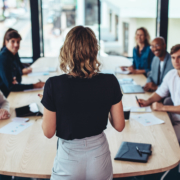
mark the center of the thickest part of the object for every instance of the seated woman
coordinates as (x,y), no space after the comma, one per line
(142,54)
(76,107)
(4,107)
(24,70)
(10,68)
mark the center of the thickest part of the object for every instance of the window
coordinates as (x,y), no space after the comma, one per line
(126,17)
(16,14)
(59,16)
(173,24)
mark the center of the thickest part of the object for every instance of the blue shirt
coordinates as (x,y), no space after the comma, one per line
(143,60)
(10,66)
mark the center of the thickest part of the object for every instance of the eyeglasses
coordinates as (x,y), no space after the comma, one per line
(156,46)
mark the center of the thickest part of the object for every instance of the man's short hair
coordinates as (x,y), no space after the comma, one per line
(175,48)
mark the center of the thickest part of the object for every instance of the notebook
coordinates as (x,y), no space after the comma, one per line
(131,89)
(128,152)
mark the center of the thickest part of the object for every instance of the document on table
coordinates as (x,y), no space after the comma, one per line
(107,71)
(37,89)
(118,70)
(147,119)
(126,81)
(141,109)
(20,120)
(44,69)
(15,128)
(38,73)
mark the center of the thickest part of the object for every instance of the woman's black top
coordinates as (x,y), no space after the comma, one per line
(81,104)
(10,67)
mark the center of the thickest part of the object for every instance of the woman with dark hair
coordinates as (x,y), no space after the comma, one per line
(76,107)
(24,70)
(142,54)
(10,66)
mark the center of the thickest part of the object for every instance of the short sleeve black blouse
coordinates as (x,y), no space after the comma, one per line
(81,104)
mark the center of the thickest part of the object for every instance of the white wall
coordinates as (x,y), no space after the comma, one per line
(173,32)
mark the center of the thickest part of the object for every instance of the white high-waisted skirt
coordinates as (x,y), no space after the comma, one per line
(83,159)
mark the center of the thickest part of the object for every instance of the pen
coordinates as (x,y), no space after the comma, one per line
(39,80)
(138,101)
(139,152)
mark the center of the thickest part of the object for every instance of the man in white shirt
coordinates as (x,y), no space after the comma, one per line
(170,85)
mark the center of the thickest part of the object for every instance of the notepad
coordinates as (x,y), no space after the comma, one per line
(147,119)
(15,128)
(20,120)
(141,109)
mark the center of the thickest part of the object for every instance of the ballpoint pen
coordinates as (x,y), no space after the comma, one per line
(139,152)
(39,80)
(138,101)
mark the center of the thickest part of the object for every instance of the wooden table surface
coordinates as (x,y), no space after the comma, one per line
(31,154)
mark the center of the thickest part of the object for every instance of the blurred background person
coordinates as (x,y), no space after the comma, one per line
(24,70)
(10,69)
(142,54)
(160,66)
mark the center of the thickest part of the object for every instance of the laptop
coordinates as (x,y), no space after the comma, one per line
(132,89)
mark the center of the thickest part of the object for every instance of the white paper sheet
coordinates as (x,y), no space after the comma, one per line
(141,109)
(37,89)
(127,81)
(15,128)
(147,119)
(20,120)
(107,71)
(44,69)
(38,73)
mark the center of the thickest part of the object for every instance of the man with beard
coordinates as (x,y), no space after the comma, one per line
(160,66)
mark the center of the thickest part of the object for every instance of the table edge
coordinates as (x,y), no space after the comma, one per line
(139,173)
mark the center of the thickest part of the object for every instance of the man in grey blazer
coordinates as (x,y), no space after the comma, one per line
(161,64)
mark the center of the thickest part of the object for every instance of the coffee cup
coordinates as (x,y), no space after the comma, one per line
(126,111)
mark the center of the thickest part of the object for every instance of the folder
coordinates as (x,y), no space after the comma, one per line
(128,152)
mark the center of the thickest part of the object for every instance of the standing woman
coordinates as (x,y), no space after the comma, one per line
(76,107)
(142,54)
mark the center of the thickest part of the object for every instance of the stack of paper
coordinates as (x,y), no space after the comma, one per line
(141,109)
(38,74)
(147,119)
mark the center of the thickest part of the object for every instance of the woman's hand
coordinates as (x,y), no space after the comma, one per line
(27,70)
(4,114)
(131,70)
(123,68)
(40,96)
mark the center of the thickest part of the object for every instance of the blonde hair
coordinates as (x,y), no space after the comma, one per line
(146,34)
(78,55)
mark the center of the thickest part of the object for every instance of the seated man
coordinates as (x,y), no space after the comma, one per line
(160,66)
(170,84)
